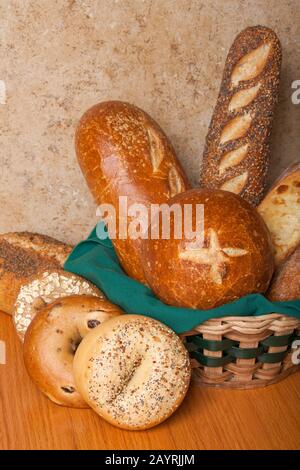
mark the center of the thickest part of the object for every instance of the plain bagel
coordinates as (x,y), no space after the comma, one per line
(51,341)
(133,371)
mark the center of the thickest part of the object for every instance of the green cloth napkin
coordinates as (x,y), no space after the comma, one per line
(96,260)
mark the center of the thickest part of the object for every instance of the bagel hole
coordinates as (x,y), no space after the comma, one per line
(38,304)
(74,343)
(68,389)
(126,379)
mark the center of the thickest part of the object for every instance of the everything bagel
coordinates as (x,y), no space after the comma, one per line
(133,371)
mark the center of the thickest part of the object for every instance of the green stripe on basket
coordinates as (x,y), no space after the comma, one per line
(283,340)
(266,358)
(197,342)
(212,361)
(211,345)
(245,353)
(272,358)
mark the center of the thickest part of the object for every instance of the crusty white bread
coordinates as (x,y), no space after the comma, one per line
(23,254)
(285,284)
(236,154)
(280,209)
(122,151)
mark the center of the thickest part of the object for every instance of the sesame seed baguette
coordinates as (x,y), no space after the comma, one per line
(236,154)
(123,152)
(22,255)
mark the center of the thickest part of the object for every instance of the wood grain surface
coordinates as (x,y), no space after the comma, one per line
(208,419)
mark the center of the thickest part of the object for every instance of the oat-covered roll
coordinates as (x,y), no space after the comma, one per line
(45,288)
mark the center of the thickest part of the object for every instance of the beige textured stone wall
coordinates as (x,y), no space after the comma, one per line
(59,57)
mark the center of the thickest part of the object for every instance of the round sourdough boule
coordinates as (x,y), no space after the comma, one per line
(235,259)
(44,288)
(51,341)
(133,371)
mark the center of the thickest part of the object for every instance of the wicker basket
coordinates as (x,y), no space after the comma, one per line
(243,352)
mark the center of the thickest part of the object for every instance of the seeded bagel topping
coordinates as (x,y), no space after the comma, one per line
(138,372)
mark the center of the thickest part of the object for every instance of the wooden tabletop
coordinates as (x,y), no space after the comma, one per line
(208,419)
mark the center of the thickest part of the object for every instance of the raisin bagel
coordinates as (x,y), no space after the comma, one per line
(51,341)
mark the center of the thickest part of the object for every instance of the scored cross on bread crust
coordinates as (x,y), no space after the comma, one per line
(214,256)
(235,258)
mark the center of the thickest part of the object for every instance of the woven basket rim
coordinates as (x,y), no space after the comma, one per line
(275,322)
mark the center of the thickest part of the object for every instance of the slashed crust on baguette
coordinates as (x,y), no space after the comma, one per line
(242,119)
